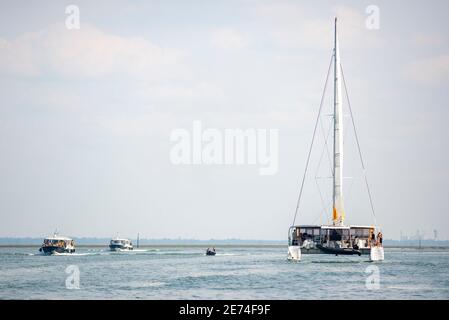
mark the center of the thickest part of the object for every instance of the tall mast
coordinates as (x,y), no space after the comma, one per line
(338,208)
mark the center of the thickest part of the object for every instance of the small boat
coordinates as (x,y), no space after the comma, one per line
(120,244)
(210,252)
(338,251)
(57,244)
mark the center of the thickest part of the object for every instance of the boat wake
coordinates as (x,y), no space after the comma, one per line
(106,252)
(339,261)
(73,254)
(146,284)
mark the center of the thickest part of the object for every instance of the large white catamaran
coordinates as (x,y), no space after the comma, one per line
(336,238)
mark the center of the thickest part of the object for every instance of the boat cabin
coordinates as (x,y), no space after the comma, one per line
(58,242)
(122,242)
(309,236)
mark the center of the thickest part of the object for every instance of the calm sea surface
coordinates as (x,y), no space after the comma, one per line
(234,273)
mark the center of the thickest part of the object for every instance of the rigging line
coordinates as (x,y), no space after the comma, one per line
(358,146)
(313,139)
(345,132)
(325,141)
(326,137)
(321,215)
(324,148)
(319,162)
(348,194)
(321,197)
(316,180)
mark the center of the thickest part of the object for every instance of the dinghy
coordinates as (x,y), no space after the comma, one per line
(337,251)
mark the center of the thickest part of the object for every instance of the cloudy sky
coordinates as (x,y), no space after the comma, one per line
(86,115)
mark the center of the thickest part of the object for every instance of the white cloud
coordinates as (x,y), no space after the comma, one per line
(427,40)
(87,52)
(291,25)
(140,125)
(429,71)
(179,93)
(228,38)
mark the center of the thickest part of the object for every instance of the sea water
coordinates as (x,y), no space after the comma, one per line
(256,272)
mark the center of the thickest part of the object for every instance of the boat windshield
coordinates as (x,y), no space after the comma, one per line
(119,241)
(55,243)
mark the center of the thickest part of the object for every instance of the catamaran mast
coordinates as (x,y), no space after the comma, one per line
(338,208)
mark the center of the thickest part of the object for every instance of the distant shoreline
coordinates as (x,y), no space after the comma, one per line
(104,242)
(181,245)
(153,245)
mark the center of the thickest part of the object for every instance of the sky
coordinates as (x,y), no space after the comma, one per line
(87,114)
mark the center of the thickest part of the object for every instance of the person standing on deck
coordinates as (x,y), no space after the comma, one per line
(372,238)
(379,239)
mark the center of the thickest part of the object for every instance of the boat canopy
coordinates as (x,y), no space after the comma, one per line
(332,227)
(58,242)
(118,240)
(347,235)
(58,238)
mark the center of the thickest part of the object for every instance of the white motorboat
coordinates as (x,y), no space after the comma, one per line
(120,244)
(57,244)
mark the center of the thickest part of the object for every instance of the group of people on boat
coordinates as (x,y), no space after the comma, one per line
(373,241)
(357,238)
(56,243)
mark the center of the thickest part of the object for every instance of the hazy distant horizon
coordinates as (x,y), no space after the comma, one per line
(85,241)
(87,116)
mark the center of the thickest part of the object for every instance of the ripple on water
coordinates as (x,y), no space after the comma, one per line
(234,273)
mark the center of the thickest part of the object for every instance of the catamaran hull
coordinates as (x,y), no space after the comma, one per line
(294,253)
(56,250)
(377,254)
